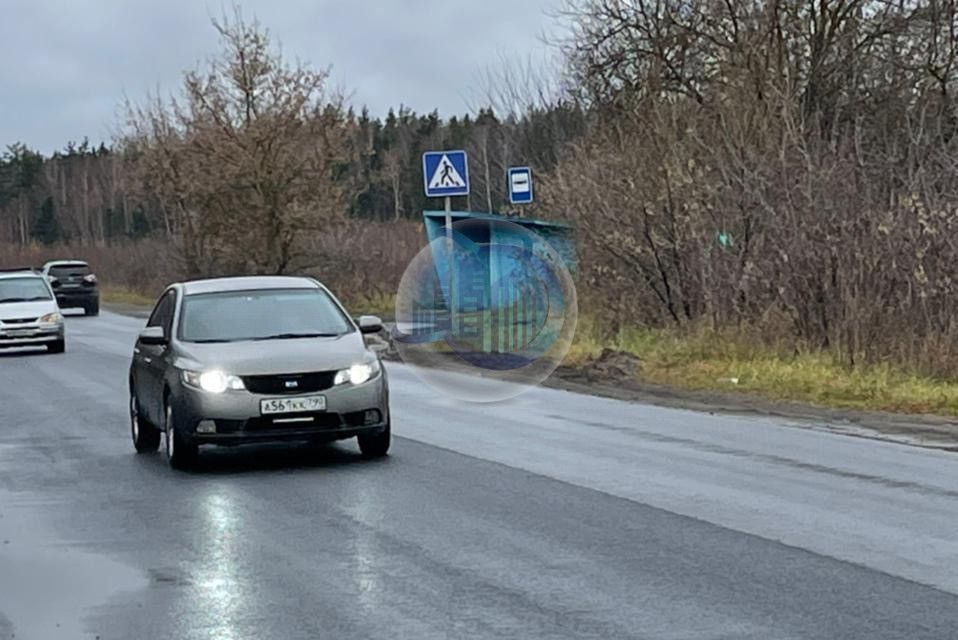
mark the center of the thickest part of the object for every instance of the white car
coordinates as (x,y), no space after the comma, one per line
(29,314)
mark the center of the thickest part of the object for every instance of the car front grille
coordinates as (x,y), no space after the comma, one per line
(290,384)
(19,321)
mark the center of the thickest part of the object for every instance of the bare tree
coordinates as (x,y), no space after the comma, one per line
(243,161)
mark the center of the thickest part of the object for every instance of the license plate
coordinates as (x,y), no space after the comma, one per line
(292,405)
(20,333)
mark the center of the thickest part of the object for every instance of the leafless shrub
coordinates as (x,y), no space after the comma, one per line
(754,163)
(243,163)
(358,261)
(136,266)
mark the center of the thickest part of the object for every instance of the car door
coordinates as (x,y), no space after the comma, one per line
(149,361)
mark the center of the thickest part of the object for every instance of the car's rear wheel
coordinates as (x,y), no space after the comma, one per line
(146,437)
(180,453)
(375,445)
(57,347)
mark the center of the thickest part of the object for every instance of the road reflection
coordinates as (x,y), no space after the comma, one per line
(218,591)
(366,554)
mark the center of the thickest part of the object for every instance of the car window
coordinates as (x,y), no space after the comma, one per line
(256,315)
(26,289)
(61,271)
(162,315)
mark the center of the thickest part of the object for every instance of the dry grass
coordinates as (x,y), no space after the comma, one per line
(126,296)
(382,305)
(727,361)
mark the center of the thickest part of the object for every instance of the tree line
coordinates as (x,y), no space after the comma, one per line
(784,169)
(89,195)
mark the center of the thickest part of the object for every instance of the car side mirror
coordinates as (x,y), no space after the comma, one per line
(153,336)
(370,324)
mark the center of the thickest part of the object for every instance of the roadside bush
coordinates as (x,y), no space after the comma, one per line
(360,262)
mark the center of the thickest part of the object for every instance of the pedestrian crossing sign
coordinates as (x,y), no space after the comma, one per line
(445,173)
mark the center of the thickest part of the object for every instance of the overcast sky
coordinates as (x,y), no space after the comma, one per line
(65,65)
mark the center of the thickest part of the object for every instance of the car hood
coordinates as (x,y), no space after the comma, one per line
(272,357)
(35,309)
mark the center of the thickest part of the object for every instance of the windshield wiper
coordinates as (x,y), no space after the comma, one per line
(209,340)
(33,299)
(293,336)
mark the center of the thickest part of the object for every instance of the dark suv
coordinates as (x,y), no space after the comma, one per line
(74,285)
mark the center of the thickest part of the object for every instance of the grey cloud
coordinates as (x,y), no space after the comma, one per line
(65,65)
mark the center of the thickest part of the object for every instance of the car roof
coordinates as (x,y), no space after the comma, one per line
(246,283)
(64,263)
(20,273)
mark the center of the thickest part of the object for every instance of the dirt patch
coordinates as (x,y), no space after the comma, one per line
(610,365)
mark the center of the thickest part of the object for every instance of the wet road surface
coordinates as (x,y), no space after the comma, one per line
(553,515)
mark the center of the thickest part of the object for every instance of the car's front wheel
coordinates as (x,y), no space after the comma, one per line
(57,347)
(180,453)
(146,437)
(92,309)
(375,445)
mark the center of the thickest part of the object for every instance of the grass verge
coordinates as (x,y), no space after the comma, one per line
(120,295)
(378,305)
(709,361)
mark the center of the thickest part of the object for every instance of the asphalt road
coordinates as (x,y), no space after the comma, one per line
(554,515)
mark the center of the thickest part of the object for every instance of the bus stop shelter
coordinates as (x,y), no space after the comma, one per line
(494,291)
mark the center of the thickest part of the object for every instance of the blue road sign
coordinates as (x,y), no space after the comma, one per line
(520,185)
(445,173)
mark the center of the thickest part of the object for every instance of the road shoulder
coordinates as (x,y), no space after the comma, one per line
(930,431)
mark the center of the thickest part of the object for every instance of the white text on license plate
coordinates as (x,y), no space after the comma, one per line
(292,405)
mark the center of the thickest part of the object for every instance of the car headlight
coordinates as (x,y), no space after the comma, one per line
(214,381)
(51,318)
(358,373)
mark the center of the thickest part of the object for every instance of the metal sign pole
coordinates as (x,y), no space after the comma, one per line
(451,256)
(449,218)
(446,174)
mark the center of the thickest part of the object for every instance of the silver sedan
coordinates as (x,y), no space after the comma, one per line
(232,361)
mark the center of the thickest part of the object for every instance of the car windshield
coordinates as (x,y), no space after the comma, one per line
(261,315)
(26,289)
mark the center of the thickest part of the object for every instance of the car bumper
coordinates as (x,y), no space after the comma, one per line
(236,418)
(284,435)
(29,337)
(78,297)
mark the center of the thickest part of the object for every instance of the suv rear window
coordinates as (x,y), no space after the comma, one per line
(65,270)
